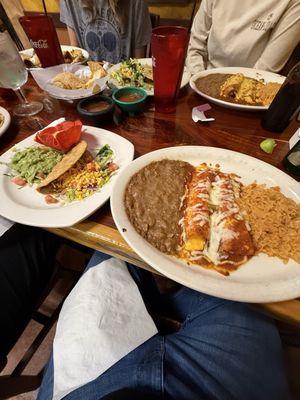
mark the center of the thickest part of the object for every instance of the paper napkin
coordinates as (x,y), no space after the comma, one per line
(103,319)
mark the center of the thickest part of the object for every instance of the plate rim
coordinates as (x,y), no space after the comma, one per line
(227,104)
(120,217)
(7,120)
(74,219)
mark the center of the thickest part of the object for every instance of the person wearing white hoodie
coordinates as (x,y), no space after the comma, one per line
(247,33)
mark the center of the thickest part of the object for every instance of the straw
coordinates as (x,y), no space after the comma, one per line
(44,6)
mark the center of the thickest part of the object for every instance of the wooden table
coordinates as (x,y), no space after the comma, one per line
(234,130)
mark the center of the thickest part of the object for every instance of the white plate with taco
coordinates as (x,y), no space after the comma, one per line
(47,187)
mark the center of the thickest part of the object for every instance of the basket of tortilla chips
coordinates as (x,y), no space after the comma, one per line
(72,82)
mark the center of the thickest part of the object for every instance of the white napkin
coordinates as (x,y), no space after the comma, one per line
(103,319)
(295,138)
(5,224)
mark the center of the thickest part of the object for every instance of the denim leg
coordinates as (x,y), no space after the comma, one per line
(46,388)
(225,350)
(140,370)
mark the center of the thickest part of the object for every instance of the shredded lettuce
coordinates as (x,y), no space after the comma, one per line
(104,156)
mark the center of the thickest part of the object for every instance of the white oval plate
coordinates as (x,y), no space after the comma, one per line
(147,61)
(262,278)
(6,121)
(30,52)
(249,72)
(28,207)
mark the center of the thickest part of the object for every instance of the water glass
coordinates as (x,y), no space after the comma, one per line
(13,75)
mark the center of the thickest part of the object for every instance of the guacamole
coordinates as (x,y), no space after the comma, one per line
(34,163)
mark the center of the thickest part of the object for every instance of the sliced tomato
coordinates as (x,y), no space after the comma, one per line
(19,181)
(50,199)
(62,136)
(112,166)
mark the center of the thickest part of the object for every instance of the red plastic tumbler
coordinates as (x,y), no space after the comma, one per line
(169,45)
(43,38)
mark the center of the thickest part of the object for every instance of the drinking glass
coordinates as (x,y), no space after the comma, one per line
(169,45)
(42,35)
(13,75)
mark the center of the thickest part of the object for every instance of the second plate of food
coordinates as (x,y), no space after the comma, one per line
(138,72)
(72,55)
(215,228)
(238,88)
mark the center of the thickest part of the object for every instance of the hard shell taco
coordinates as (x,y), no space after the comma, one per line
(78,174)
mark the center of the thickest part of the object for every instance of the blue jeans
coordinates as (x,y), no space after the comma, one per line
(224,350)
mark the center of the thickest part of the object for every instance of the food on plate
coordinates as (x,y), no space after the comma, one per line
(1,119)
(78,175)
(31,61)
(68,80)
(97,106)
(72,56)
(62,136)
(152,202)
(237,88)
(62,177)
(209,218)
(33,164)
(65,163)
(195,221)
(214,232)
(268,145)
(267,92)
(274,221)
(248,90)
(133,73)
(73,81)
(130,97)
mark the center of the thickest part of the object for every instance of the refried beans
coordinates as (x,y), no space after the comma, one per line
(211,84)
(153,199)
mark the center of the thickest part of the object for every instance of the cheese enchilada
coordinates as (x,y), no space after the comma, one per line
(214,232)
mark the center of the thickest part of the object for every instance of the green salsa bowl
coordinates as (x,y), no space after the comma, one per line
(130,99)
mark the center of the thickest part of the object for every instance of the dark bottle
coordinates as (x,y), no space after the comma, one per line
(285,105)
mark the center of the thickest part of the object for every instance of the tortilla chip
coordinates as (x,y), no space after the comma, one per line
(68,80)
(97,70)
(148,72)
(65,163)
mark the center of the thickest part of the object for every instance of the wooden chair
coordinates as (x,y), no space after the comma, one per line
(16,383)
(7,25)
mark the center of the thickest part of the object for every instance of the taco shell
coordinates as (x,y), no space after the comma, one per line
(148,72)
(65,163)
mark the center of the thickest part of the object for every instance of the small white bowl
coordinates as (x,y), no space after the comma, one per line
(6,122)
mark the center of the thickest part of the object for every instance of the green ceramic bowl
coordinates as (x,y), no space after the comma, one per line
(128,105)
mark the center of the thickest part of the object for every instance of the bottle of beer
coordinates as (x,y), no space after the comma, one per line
(285,105)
